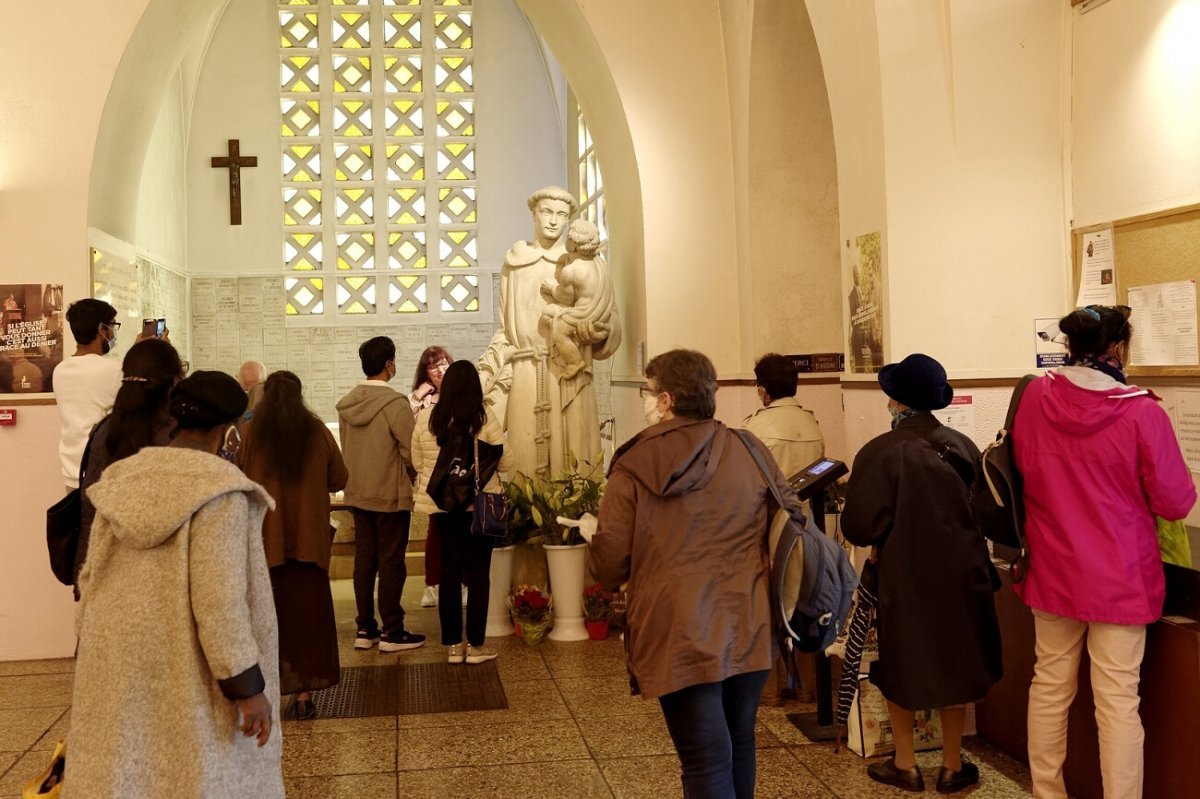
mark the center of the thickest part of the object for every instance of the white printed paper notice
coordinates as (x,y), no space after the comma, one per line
(1097,270)
(959,415)
(1187,425)
(1164,324)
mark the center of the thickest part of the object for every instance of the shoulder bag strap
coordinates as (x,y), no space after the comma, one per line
(762,466)
(87,450)
(475,444)
(1016,401)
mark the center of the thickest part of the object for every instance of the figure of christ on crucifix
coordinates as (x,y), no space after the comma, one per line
(234,162)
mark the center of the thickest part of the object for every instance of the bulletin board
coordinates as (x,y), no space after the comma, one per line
(1153,248)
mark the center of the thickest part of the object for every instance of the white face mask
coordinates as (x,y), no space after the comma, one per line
(650,410)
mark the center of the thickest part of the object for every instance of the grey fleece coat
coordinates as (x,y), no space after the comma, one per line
(176,597)
(376,426)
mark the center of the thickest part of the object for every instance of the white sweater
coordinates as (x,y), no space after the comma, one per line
(84,388)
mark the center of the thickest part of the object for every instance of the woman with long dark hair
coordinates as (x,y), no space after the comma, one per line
(139,419)
(458,428)
(1099,461)
(290,452)
(427,387)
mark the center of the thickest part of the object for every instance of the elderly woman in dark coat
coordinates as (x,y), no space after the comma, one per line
(939,642)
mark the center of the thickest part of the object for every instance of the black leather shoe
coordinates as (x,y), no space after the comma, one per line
(954,781)
(303,710)
(906,780)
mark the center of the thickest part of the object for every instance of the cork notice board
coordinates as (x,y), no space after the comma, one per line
(1155,248)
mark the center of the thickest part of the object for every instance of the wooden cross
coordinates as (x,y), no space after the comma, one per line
(234,162)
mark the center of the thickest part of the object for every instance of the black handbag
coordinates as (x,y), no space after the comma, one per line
(490,516)
(64,524)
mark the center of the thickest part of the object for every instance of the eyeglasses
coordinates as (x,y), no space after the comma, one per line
(438,368)
(113,325)
(646,391)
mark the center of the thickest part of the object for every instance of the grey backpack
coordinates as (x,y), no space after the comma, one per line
(812,581)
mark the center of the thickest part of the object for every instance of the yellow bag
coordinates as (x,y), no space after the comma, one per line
(1173,541)
(48,784)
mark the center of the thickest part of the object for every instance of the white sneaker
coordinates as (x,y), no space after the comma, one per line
(365,639)
(456,653)
(480,654)
(430,597)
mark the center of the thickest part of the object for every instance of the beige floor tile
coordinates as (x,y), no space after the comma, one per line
(518,662)
(21,728)
(586,658)
(364,724)
(335,753)
(639,735)
(22,771)
(347,786)
(602,697)
(38,690)
(10,668)
(490,744)
(576,779)
(775,719)
(530,701)
(846,773)
(7,759)
(779,776)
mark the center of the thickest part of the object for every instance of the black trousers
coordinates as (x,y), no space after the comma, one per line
(466,560)
(380,541)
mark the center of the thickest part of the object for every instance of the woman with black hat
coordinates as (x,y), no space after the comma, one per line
(939,642)
(177,671)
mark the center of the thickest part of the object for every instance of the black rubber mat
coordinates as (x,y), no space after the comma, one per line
(409,689)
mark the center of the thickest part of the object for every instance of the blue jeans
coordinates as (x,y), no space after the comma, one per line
(712,726)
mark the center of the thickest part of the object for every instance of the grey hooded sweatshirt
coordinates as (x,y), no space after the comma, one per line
(376,427)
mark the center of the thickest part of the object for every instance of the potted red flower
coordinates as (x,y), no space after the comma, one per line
(597,607)
(530,606)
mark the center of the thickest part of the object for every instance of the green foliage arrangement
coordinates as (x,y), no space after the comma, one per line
(535,503)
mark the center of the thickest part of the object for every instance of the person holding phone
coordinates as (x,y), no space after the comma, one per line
(427,389)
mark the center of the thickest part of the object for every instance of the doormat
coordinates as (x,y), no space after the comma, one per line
(411,689)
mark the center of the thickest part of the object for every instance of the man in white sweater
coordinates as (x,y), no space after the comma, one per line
(86,384)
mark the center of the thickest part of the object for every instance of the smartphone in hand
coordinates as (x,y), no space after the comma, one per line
(153,328)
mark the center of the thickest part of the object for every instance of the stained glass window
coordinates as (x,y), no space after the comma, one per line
(377,138)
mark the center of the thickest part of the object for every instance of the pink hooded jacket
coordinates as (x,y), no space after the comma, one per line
(1099,461)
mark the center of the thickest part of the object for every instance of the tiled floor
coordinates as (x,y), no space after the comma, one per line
(571,731)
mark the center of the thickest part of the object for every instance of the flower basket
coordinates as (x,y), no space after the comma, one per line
(530,607)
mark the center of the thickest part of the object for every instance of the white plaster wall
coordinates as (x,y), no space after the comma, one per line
(51,99)
(678,112)
(521,140)
(162,201)
(848,41)
(1136,109)
(974,110)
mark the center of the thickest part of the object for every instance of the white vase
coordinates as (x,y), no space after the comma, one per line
(499,623)
(566,565)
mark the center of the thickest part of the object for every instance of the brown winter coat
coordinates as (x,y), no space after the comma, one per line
(298,528)
(684,522)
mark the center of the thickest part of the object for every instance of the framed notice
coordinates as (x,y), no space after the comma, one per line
(31,336)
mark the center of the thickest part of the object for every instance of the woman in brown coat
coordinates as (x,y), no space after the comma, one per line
(291,453)
(684,522)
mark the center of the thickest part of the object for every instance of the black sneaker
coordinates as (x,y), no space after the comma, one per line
(906,780)
(401,641)
(365,639)
(954,781)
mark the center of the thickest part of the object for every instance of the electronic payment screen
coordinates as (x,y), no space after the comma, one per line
(822,467)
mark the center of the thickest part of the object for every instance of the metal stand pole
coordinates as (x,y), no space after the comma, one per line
(819,726)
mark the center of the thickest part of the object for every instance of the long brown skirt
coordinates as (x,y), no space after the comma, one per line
(308,646)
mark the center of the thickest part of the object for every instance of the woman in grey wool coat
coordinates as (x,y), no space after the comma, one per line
(177,672)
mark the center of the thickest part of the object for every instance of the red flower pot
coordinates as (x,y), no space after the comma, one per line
(597,630)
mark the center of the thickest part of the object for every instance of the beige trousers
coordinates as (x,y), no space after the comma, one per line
(1116,652)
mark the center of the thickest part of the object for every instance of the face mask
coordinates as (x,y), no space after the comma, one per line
(650,410)
(110,344)
(233,442)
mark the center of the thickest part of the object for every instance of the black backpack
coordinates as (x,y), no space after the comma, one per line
(996,499)
(812,581)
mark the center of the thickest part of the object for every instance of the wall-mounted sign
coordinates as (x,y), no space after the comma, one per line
(819,362)
(31,337)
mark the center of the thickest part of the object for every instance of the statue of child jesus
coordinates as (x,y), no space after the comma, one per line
(578,300)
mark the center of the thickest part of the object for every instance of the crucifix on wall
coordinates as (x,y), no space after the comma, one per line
(234,162)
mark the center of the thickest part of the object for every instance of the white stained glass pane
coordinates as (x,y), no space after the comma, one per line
(460,293)
(407,294)
(454,74)
(302,251)
(356,295)
(302,163)
(298,29)
(456,161)
(305,295)
(458,249)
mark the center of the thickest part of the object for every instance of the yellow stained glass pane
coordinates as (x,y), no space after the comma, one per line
(298,30)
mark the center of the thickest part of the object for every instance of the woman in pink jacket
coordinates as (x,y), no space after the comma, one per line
(1099,460)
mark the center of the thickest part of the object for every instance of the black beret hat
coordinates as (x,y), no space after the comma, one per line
(918,382)
(207,399)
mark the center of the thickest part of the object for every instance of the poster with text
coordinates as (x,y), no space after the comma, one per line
(1163,316)
(1097,270)
(31,337)
(866,304)
(1049,343)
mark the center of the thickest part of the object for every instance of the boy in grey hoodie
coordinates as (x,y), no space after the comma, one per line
(376,426)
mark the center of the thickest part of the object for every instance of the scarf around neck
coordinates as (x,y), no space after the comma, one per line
(1110,365)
